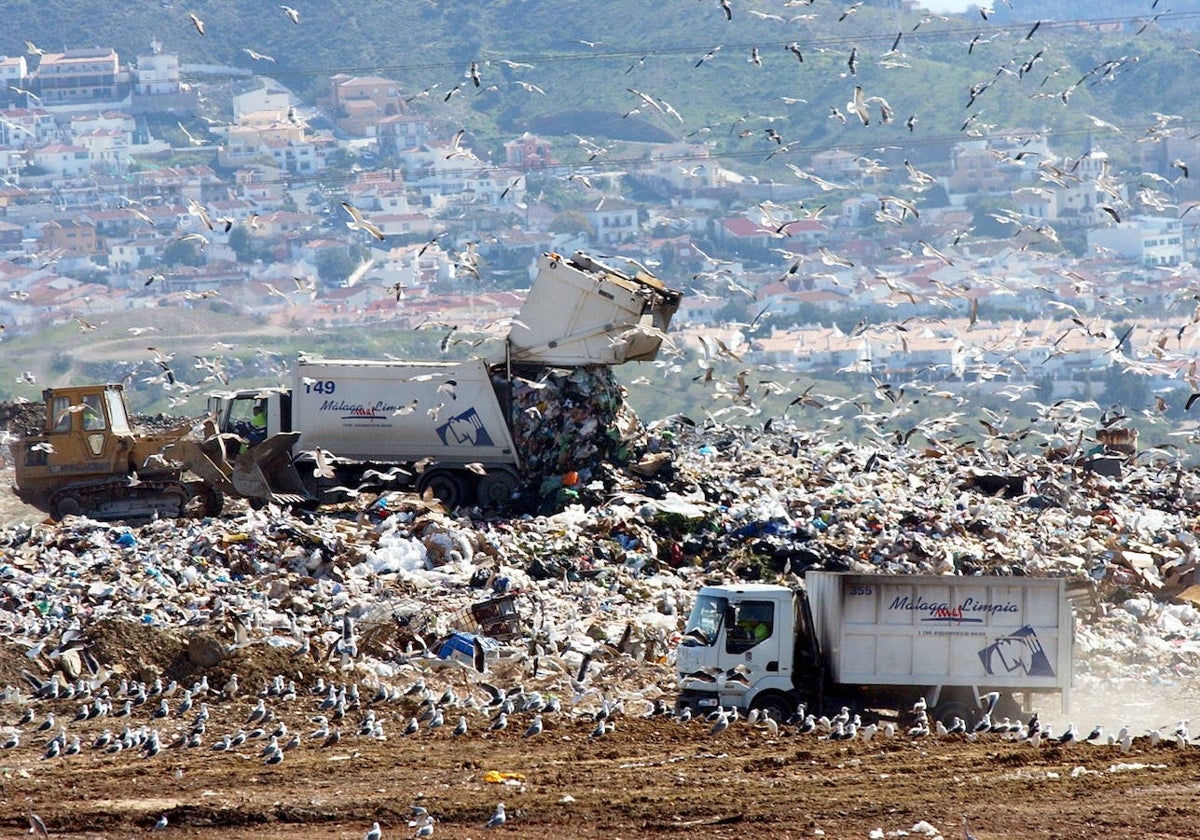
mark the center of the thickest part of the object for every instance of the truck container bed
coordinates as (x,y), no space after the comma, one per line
(401,411)
(1001,632)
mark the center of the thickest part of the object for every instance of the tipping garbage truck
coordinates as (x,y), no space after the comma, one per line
(461,429)
(87,459)
(882,642)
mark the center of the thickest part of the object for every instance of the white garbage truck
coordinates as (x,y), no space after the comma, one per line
(878,642)
(451,427)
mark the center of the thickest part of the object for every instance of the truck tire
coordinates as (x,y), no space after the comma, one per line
(495,490)
(446,485)
(203,502)
(775,705)
(64,506)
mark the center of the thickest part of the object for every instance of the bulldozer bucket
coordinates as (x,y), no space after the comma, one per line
(265,471)
(204,458)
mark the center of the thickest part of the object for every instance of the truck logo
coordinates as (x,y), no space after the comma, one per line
(1019,652)
(970,611)
(465,429)
(379,410)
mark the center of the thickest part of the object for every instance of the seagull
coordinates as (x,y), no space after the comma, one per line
(498,819)
(36,826)
(456,149)
(199,24)
(375,832)
(291,13)
(359,222)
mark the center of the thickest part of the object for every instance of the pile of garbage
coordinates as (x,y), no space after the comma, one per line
(569,423)
(617,570)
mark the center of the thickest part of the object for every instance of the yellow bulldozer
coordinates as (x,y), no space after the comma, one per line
(87,459)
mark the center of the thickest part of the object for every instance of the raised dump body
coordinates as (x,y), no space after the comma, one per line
(581,311)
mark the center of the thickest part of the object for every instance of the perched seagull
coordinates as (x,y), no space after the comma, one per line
(498,819)
(375,832)
(36,826)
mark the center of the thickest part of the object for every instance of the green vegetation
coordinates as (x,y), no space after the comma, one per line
(587,67)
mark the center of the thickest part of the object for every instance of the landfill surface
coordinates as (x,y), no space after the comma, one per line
(577,602)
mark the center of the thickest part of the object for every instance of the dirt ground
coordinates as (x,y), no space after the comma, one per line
(644,778)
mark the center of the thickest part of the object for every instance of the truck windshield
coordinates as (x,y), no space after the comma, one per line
(705,621)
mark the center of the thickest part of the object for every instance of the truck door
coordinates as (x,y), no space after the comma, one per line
(753,635)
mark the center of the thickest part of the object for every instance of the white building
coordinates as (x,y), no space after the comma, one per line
(157,75)
(1151,240)
(13,70)
(62,160)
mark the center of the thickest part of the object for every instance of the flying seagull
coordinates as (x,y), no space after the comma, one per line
(360,222)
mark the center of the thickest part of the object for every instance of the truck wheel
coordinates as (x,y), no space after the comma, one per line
(495,490)
(446,486)
(203,502)
(65,506)
(774,705)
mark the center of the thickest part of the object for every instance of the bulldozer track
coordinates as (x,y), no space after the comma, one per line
(121,499)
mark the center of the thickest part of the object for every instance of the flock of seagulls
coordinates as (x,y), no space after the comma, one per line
(144,721)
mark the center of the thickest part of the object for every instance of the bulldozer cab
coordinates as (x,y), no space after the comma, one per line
(84,427)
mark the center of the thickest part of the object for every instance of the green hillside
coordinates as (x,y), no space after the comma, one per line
(587,57)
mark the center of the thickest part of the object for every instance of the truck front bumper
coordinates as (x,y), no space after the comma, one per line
(697,701)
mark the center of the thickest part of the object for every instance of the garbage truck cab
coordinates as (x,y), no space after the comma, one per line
(741,647)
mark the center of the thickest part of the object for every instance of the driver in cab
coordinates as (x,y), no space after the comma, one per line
(258,423)
(753,626)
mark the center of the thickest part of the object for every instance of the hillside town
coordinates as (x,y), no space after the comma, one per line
(965,255)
